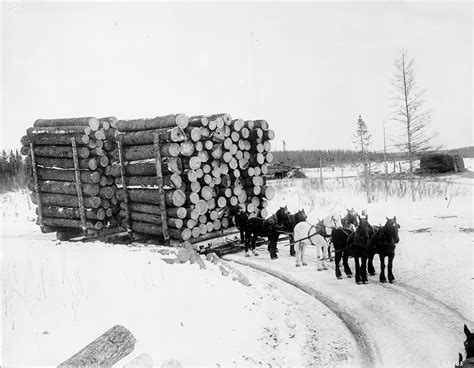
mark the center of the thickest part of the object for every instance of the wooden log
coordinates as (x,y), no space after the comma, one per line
(54,140)
(59,130)
(263,124)
(152,229)
(194,133)
(173,198)
(107,191)
(218,135)
(71,212)
(192,163)
(249,124)
(177,212)
(146,151)
(237,124)
(171,180)
(195,232)
(175,134)
(105,351)
(65,200)
(205,132)
(153,219)
(245,133)
(91,122)
(64,163)
(159,122)
(170,165)
(203,156)
(193,213)
(198,120)
(211,204)
(226,118)
(187,148)
(207,192)
(268,192)
(64,187)
(68,175)
(269,157)
(268,134)
(56,151)
(71,223)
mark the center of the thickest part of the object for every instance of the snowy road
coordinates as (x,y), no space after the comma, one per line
(394,325)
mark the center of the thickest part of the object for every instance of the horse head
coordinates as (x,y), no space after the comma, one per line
(391,229)
(352,218)
(469,343)
(300,216)
(282,214)
(364,230)
(321,228)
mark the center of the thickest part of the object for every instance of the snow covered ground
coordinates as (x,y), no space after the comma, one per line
(59,296)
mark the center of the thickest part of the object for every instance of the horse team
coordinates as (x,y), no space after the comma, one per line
(355,238)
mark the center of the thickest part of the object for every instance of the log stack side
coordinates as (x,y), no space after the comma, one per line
(69,182)
(170,176)
(209,164)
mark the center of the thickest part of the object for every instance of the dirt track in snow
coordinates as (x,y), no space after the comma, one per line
(393,324)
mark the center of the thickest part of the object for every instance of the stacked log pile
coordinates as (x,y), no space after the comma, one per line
(203,164)
(70,159)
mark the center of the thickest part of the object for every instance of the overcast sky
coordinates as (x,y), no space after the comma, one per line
(308,69)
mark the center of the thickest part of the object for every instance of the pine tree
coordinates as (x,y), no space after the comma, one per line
(362,139)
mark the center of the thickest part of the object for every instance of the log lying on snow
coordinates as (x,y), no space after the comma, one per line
(106,350)
(159,122)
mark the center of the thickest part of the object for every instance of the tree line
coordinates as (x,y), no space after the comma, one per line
(13,171)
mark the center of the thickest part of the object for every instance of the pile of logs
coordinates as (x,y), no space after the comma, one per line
(186,173)
(70,160)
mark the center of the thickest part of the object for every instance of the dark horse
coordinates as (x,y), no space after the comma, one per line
(469,348)
(341,238)
(240,220)
(384,240)
(289,226)
(268,228)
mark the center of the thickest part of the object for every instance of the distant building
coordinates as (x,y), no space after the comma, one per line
(441,163)
(279,170)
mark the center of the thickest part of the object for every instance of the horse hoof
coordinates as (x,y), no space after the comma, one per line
(247,255)
(358,282)
(320,268)
(383,281)
(292,254)
(365,282)
(255,254)
(372,273)
(298,265)
(349,276)
(339,277)
(391,281)
(304,264)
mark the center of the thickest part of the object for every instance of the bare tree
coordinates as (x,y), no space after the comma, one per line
(362,139)
(409,110)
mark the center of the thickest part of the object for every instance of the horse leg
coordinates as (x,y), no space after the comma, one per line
(382,268)
(345,262)
(337,260)
(370,264)
(247,240)
(318,258)
(292,245)
(303,251)
(325,251)
(357,267)
(298,253)
(363,270)
(273,254)
(391,278)
(242,236)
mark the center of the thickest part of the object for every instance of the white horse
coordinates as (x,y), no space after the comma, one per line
(306,234)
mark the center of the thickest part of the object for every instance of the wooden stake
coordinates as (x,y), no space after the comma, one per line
(35,178)
(159,176)
(124,183)
(78,185)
